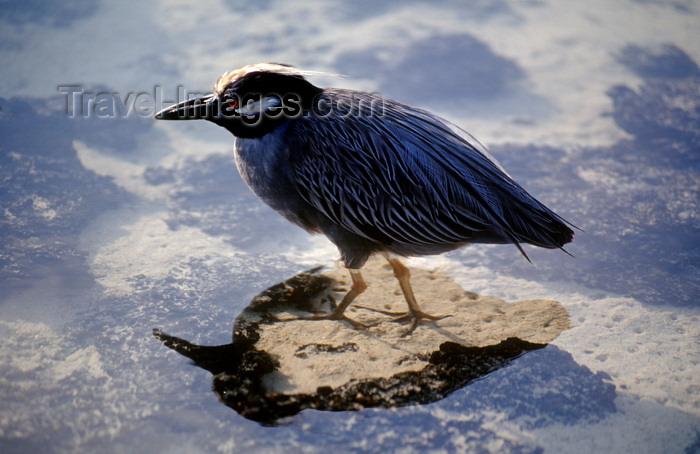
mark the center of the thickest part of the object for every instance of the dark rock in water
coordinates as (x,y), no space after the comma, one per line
(277,366)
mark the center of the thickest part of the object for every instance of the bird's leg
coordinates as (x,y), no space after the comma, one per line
(358,286)
(415,314)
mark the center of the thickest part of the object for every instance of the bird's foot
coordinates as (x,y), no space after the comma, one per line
(331,316)
(416,318)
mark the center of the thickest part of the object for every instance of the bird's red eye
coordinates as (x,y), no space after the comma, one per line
(233,104)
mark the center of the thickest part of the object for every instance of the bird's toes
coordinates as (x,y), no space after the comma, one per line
(381,311)
(355,324)
(414,324)
(333,316)
(416,318)
(422,315)
(405,316)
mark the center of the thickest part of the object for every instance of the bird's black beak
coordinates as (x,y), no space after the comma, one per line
(204,108)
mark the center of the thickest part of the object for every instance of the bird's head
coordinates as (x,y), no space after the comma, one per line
(250,101)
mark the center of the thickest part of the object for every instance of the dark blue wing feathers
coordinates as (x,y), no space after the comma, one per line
(402,174)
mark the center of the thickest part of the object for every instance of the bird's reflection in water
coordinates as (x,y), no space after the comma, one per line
(239,368)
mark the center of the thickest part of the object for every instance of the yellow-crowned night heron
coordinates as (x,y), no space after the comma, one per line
(372,174)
